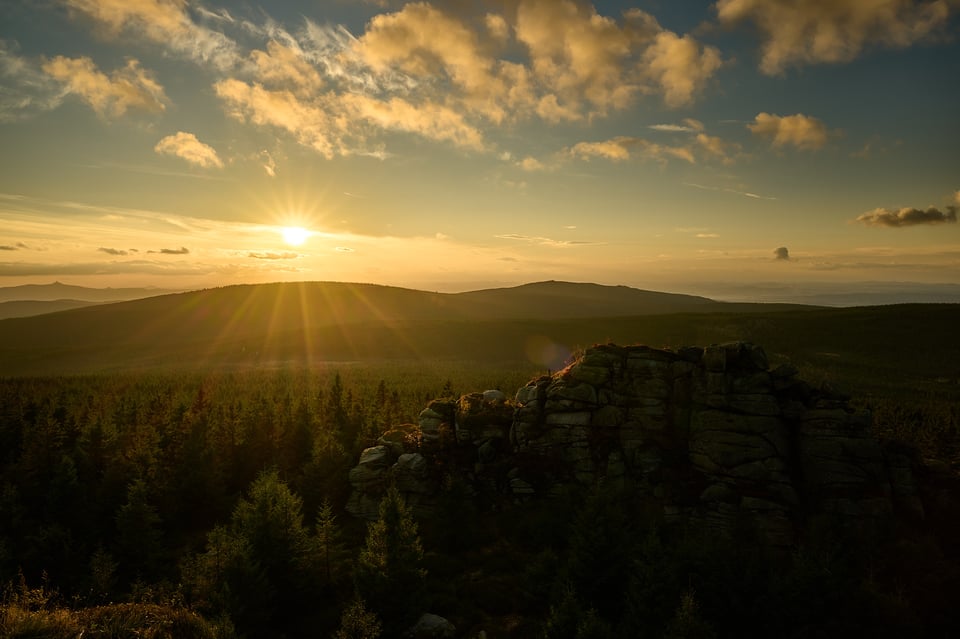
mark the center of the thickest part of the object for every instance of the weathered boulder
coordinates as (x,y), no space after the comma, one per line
(368,481)
(431,626)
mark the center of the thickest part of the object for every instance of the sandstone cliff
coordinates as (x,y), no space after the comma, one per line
(711,436)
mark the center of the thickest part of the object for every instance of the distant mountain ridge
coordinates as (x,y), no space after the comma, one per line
(58,291)
(29,308)
(315,320)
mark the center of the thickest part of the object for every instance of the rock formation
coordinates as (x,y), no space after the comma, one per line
(710,436)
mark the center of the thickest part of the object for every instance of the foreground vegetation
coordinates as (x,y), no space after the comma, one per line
(211,504)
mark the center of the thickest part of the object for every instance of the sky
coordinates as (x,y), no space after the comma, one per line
(768,150)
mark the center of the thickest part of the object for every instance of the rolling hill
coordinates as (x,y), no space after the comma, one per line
(303,324)
(29,308)
(238,312)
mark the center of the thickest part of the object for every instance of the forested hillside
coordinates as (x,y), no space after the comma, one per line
(212,504)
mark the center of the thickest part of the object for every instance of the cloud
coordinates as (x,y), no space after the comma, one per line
(443,74)
(165,22)
(7,247)
(802,131)
(285,67)
(187,146)
(113,251)
(623,148)
(497,27)
(268,255)
(428,119)
(799,33)
(24,88)
(543,241)
(578,55)
(130,87)
(343,249)
(616,149)
(680,66)
(748,194)
(531,164)
(716,147)
(424,42)
(896,218)
(689,126)
(581,56)
(574,63)
(781,253)
(183,250)
(706,236)
(310,123)
(268,163)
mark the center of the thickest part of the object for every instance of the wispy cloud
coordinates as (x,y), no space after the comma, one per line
(183,250)
(26,89)
(544,241)
(754,196)
(898,218)
(113,251)
(270,255)
(188,147)
(268,163)
(166,23)
(689,126)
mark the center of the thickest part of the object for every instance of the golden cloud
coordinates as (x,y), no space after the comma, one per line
(309,123)
(623,148)
(187,146)
(798,33)
(163,21)
(430,120)
(680,66)
(428,44)
(128,88)
(802,131)
(285,67)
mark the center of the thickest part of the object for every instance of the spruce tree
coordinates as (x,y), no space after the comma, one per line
(389,572)
(330,550)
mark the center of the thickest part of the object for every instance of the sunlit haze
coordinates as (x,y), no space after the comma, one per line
(768,150)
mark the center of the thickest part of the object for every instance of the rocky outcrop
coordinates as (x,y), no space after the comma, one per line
(431,626)
(710,435)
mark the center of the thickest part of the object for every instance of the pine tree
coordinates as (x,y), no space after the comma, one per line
(389,571)
(138,533)
(358,623)
(330,548)
(262,569)
(687,623)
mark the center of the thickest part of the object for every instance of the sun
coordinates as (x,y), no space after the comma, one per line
(294,235)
